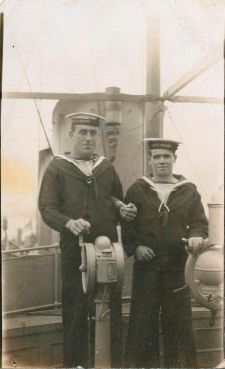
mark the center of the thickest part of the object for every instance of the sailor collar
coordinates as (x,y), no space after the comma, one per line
(164,201)
(98,160)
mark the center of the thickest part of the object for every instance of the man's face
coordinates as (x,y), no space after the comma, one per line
(84,140)
(112,133)
(161,161)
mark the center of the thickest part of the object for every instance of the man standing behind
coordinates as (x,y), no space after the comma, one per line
(169,212)
(76,197)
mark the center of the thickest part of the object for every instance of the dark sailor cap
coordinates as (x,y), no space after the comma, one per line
(112,124)
(162,143)
(86,119)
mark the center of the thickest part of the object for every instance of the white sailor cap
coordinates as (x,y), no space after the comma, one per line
(88,119)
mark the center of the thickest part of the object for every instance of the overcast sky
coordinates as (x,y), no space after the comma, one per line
(87,45)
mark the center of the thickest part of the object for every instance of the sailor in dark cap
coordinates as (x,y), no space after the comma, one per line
(169,212)
(162,143)
(77,195)
(112,132)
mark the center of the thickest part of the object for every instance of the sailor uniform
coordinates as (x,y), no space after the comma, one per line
(165,216)
(72,190)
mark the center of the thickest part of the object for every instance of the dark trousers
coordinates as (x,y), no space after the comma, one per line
(75,307)
(155,291)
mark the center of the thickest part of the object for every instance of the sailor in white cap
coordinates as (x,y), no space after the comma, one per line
(169,212)
(77,195)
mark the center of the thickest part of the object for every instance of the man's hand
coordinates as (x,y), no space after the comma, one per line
(128,212)
(78,226)
(195,244)
(144,253)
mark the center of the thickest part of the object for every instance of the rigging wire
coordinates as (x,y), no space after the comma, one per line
(99,107)
(165,108)
(34,100)
(33,44)
(15,46)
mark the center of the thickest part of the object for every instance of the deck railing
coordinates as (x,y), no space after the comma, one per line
(20,258)
(33,282)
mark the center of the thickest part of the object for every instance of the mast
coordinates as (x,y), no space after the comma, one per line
(153,115)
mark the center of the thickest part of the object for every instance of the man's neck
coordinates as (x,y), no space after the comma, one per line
(81,157)
(167,179)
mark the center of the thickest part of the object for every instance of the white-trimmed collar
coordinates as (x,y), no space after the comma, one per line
(97,162)
(152,184)
(165,198)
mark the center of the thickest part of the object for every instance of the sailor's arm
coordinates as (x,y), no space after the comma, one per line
(49,201)
(198,225)
(127,211)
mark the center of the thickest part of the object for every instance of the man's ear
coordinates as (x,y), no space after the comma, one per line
(175,158)
(70,134)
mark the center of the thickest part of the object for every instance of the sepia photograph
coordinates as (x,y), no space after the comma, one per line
(112,207)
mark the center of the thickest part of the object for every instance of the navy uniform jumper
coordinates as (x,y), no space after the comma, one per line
(65,193)
(159,285)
